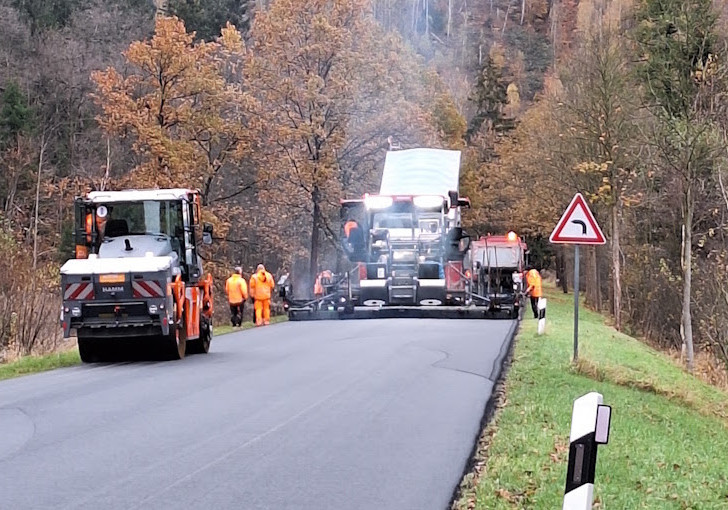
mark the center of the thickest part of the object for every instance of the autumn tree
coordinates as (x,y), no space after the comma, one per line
(332,88)
(184,107)
(677,40)
(600,122)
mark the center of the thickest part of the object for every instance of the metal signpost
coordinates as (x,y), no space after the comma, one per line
(577,226)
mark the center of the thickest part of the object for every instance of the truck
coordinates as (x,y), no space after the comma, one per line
(137,276)
(408,251)
(498,263)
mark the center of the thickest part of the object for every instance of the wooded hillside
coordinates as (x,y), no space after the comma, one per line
(275,110)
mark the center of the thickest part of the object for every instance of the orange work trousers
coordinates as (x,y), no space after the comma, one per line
(262,312)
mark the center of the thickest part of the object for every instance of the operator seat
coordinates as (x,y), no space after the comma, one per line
(116,228)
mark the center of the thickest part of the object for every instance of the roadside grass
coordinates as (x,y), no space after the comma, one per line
(668,447)
(224,329)
(34,364)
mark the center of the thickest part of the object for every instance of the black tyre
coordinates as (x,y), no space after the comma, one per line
(87,349)
(174,345)
(97,350)
(202,344)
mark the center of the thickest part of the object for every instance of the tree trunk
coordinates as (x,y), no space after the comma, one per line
(449,17)
(315,227)
(505,21)
(686,322)
(13,179)
(465,32)
(414,16)
(561,268)
(37,202)
(523,10)
(427,17)
(107,170)
(616,266)
(590,279)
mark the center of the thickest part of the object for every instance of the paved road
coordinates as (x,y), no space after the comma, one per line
(373,414)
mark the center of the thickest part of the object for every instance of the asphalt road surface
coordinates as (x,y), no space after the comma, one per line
(371,414)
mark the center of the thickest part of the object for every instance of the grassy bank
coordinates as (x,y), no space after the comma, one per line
(669,437)
(35,364)
(224,329)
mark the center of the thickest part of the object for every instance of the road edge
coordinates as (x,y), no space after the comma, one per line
(465,488)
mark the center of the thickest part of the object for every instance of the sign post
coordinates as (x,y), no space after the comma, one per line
(576,302)
(577,226)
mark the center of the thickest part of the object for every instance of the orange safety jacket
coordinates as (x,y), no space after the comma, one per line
(236,289)
(318,286)
(261,285)
(349,226)
(100,224)
(533,279)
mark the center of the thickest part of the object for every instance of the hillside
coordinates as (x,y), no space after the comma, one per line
(669,430)
(545,98)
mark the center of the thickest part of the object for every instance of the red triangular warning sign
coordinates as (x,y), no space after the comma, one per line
(577,225)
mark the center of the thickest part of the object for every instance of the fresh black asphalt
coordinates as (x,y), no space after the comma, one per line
(370,414)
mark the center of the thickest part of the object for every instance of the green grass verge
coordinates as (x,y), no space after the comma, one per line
(669,439)
(34,364)
(224,329)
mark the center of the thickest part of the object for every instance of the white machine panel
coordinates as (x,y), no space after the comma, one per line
(421,172)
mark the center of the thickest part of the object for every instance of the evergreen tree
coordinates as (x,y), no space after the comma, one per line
(676,38)
(15,114)
(44,14)
(207,17)
(489,97)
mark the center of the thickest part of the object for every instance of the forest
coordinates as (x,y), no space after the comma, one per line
(276,109)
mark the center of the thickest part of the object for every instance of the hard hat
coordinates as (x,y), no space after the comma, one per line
(238,269)
(260,267)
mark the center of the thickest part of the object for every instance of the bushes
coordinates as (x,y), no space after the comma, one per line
(29,302)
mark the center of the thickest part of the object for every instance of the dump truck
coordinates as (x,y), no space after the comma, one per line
(498,263)
(137,276)
(408,251)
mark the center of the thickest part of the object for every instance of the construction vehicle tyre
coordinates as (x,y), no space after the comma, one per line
(174,345)
(87,350)
(96,350)
(202,344)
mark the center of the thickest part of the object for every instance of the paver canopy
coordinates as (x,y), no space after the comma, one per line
(421,172)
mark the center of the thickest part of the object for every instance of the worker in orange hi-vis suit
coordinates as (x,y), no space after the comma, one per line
(323,278)
(533,280)
(237,292)
(350,225)
(261,286)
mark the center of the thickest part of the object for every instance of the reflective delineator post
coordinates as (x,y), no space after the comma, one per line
(541,315)
(590,423)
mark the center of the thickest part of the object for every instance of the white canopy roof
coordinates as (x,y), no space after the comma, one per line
(134,195)
(421,172)
(116,265)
